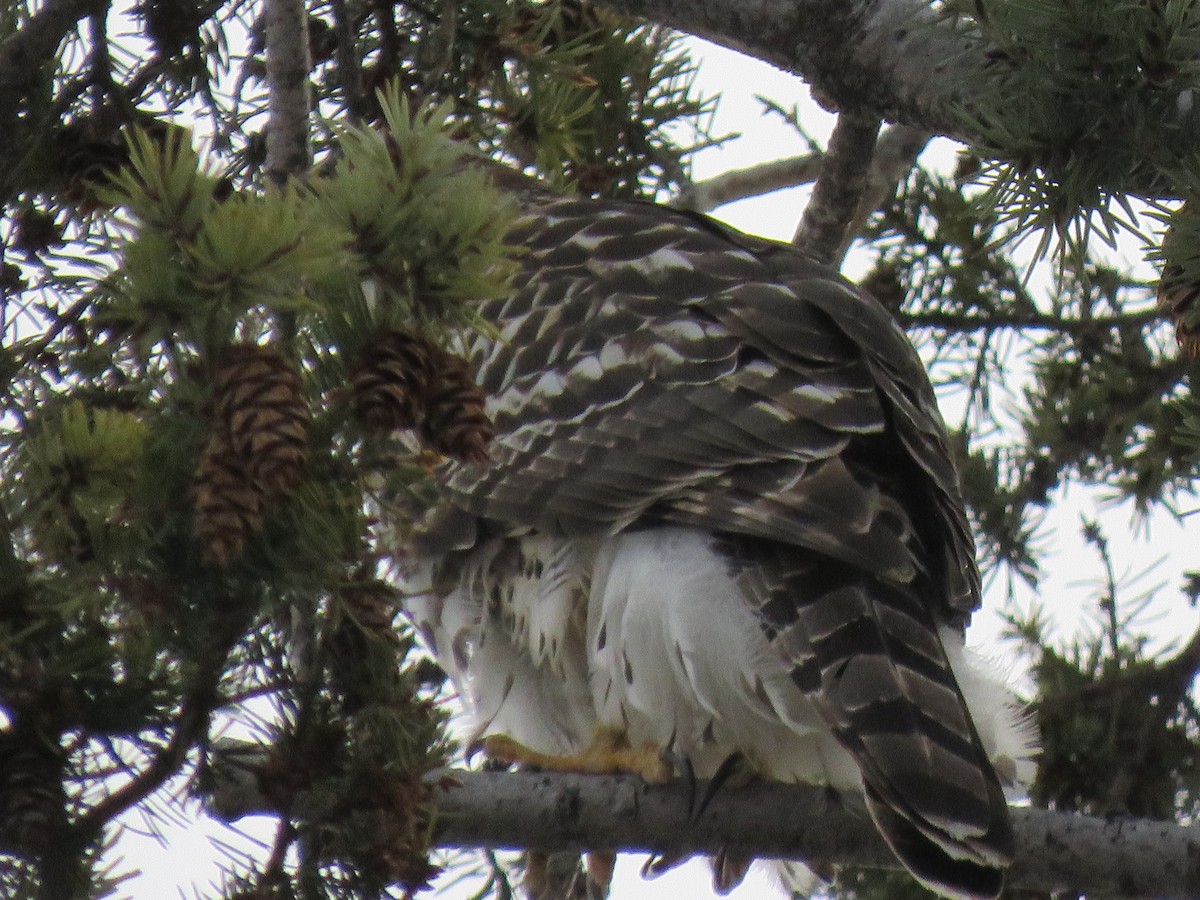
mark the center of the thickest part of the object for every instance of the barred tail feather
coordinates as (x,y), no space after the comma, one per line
(932,863)
(868,652)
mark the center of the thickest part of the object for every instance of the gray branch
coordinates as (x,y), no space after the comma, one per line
(887,58)
(895,154)
(837,195)
(552,812)
(899,60)
(290,93)
(753,181)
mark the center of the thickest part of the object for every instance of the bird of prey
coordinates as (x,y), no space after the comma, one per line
(720,517)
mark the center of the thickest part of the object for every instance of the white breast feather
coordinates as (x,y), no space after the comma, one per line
(646,631)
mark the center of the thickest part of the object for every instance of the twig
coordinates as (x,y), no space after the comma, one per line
(192,723)
(1170,679)
(961,322)
(704,196)
(840,187)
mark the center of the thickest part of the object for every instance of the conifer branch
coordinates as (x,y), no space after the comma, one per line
(876,56)
(839,190)
(288,65)
(948,320)
(25,51)
(753,181)
(1169,680)
(1056,851)
(190,726)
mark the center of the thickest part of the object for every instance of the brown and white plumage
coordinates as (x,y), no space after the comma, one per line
(722,514)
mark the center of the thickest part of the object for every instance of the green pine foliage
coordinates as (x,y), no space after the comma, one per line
(119,634)
(1108,392)
(136,270)
(1070,120)
(1074,94)
(1118,725)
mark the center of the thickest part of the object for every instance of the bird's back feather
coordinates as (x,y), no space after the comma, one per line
(656,370)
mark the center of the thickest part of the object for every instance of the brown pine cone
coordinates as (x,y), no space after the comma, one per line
(363,646)
(259,402)
(228,503)
(1179,301)
(390,378)
(455,422)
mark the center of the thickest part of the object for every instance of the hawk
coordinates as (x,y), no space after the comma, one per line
(720,517)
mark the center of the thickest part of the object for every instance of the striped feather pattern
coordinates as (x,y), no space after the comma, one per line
(655,368)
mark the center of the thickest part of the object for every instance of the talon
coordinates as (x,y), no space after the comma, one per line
(729,871)
(725,772)
(660,864)
(473,749)
(502,747)
(689,775)
(609,753)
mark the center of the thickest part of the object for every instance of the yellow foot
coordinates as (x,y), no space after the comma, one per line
(609,753)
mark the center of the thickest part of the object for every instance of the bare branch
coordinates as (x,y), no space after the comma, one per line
(553,812)
(995,321)
(882,57)
(896,153)
(738,184)
(288,65)
(840,187)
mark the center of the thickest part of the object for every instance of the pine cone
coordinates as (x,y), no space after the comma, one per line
(1179,300)
(455,422)
(259,402)
(228,502)
(390,378)
(399,851)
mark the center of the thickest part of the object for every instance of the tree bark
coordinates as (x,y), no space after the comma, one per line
(897,60)
(885,58)
(288,66)
(1056,852)
(838,193)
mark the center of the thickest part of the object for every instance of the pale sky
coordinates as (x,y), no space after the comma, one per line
(1069,587)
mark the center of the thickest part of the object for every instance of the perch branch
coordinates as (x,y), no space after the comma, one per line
(551,812)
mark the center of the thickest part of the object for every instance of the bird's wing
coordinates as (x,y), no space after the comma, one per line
(654,368)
